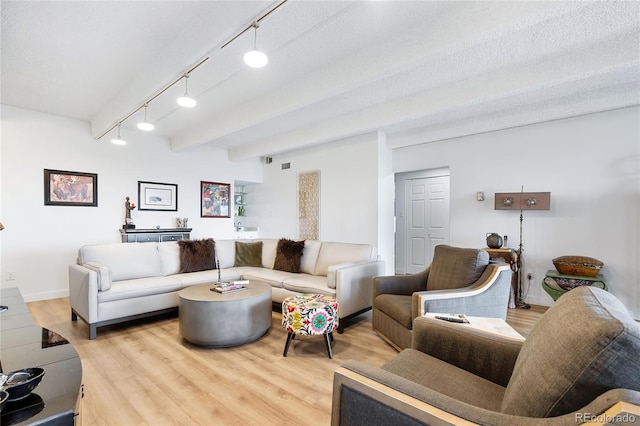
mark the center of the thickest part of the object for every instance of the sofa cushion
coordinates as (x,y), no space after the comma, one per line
(197,255)
(125,261)
(208,276)
(396,306)
(269,249)
(226,253)
(310,256)
(446,379)
(140,287)
(169,257)
(248,254)
(308,284)
(454,267)
(585,344)
(288,255)
(271,276)
(335,253)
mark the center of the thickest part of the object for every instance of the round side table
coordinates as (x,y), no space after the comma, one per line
(209,318)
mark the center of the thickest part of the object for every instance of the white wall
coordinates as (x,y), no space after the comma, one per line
(349,201)
(591,166)
(40,241)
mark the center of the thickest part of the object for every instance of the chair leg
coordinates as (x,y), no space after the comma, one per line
(290,337)
(327,342)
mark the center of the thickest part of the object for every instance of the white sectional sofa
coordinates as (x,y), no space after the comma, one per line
(112,283)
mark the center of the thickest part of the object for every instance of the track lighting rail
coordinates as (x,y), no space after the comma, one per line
(186,73)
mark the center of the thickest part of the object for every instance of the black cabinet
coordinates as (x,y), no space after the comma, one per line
(155,235)
(23,344)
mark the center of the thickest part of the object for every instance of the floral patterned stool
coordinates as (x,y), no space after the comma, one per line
(310,315)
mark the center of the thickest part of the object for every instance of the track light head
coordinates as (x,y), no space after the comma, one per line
(186,101)
(118,140)
(145,125)
(255,58)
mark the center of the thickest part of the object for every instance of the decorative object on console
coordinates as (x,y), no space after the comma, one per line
(157,196)
(182,222)
(578,265)
(522,201)
(248,254)
(214,199)
(128,222)
(494,240)
(288,255)
(64,188)
(197,255)
(21,383)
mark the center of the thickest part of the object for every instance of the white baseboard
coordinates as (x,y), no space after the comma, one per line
(36,297)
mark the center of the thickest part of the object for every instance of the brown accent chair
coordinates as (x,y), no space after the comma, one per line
(578,365)
(459,280)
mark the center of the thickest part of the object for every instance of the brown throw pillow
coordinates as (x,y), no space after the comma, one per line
(248,254)
(197,255)
(288,255)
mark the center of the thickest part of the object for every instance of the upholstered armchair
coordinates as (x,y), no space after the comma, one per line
(459,280)
(578,365)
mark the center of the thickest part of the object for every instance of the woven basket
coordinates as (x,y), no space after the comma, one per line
(578,265)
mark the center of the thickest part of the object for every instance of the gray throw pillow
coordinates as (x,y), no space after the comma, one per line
(584,345)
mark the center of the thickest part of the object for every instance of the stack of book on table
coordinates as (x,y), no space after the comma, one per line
(230,286)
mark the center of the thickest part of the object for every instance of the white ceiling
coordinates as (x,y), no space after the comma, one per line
(420,71)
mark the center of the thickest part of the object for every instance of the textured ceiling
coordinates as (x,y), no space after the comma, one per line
(420,71)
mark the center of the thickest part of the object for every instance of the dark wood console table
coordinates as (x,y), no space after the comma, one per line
(23,344)
(154,235)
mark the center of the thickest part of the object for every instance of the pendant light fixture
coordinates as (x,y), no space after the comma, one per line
(186,101)
(118,140)
(255,58)
(145,125)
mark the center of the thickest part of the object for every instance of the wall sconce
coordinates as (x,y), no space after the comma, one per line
(522,201)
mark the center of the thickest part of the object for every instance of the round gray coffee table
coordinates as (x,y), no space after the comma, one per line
(209,318)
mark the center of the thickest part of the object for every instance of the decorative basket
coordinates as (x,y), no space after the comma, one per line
(578,265)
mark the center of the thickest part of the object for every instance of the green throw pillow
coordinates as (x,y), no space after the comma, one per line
(248,254)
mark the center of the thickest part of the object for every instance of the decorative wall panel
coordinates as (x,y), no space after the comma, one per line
(309,205)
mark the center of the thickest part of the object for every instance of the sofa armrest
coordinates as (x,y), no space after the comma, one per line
(364,394)
(485,354)
(83,292)
(487,297)
(353,286)
(400,284)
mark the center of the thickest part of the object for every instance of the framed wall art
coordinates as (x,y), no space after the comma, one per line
(64,188)
(157,196)
(214,199)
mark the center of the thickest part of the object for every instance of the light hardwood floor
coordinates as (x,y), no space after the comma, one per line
(143,373)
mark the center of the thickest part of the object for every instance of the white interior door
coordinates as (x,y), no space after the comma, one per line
(427,220)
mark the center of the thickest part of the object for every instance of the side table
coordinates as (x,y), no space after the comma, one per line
(557,284)
(511,257)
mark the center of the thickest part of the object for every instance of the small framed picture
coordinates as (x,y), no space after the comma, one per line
(214,199)
(157,196)
(64,188)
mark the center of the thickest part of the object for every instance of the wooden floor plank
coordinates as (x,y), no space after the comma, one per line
(144,373)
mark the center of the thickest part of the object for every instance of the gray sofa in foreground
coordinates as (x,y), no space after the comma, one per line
(112,283)
(579,364)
